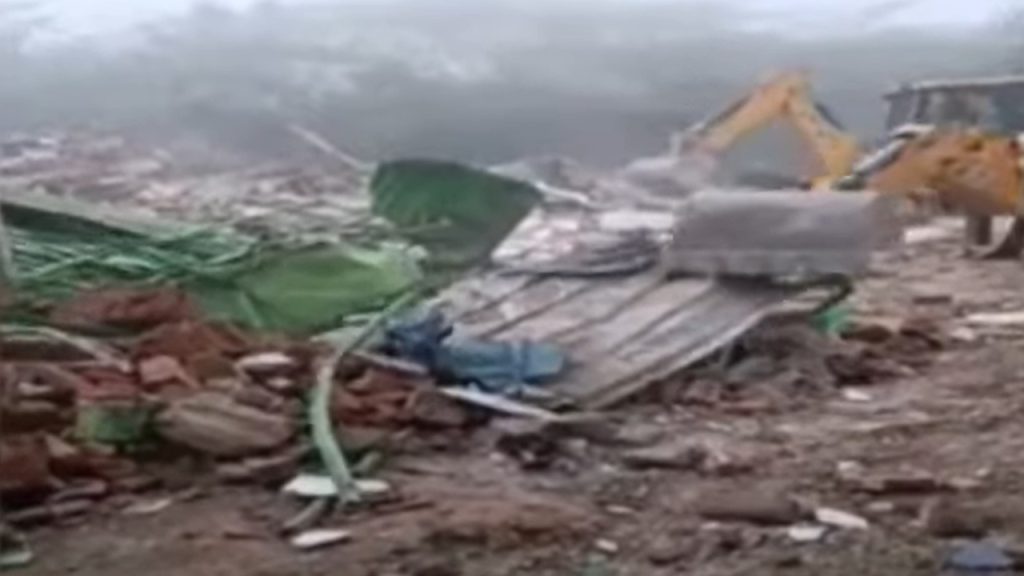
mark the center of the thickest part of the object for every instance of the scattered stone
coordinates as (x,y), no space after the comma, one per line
(840,519)
(979,557)
(158,370)
(762,508)
(806,533)
(29,416)
(262,470)
(667,550)
(215,424)
(945,519)
(928,298)
(429,408)
(848,470)
(24,466)
(873,330)
(361,439)
(596,428)
(905,484)
(677,455)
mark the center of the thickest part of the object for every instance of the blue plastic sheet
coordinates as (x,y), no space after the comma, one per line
(496,367)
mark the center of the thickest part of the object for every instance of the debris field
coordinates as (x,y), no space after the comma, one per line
(305,374)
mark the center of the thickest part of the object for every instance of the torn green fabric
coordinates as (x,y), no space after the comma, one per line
(266,285)
(458,214)
(307,289)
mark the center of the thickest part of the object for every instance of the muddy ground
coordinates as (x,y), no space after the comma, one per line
(927,455)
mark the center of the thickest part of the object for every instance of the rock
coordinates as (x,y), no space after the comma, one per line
(31,416)
(762,508)
(929,298)
(265,471)
(428,407)
(528,441)
(666,550)
(945,519)
(596,428)
(840,519)
(159,370)
(360,439)
(873,330)
(709,454)
(979,557)
(905,484)
(212,366)
(677,455)
(24,465)
(639,434)
(215,424)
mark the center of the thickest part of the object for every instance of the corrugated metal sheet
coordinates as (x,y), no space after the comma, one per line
(620,334)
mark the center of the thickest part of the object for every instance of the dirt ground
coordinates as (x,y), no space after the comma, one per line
(950,427)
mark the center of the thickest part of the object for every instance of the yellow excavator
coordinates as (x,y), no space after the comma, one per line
(785,97)
(971,169)
(964,170)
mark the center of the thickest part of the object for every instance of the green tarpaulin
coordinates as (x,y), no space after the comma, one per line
(457,214)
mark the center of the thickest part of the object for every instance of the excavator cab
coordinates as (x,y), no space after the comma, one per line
(993,105)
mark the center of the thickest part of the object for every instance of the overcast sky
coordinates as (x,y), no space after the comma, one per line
(93,15)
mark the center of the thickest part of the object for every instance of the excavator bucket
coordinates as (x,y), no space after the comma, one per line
(780,234)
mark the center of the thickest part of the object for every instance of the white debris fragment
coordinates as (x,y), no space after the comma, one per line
(806,533)
(840,519)
(319,538)
(856,395)
(997,319)
(607,546)
(322,486)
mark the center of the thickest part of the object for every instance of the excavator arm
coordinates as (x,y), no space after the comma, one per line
(786,97)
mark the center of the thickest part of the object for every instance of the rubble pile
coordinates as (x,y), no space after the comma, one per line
(78,425)
(792,362)
(110,170)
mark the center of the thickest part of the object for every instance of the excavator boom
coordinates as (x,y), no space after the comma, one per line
(785,97)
